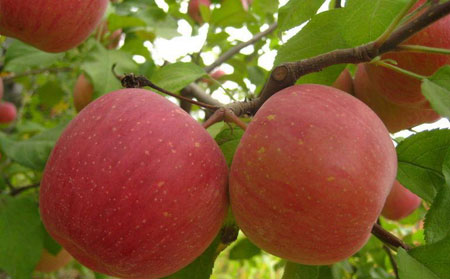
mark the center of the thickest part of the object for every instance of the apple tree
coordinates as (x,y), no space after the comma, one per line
(195,139)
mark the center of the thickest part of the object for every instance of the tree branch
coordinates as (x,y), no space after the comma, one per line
(389,239)
(195,91)
(391,259)
(232,51)
(287,74)
(36,72)
(19,190)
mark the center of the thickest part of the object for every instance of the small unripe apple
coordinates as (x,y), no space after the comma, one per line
(194,9)
(49,25)
(134,187)
(311,175)
(400,202)
(344,82)
(396,117)
(401,89)
(82,93)
(8,112)
(50,263)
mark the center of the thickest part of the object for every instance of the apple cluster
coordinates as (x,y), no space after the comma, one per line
(136,188)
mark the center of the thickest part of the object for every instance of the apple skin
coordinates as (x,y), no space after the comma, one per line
(311,175)
(400,203)
(52,26)
(82,93)
(344,82)
(396,117)
(401,89)
(194,9)
(8,112)
(135,187)
(50,263)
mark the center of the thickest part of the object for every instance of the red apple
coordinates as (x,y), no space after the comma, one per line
(50,263)
(8,112)
(344,82)
(396,117)
(194,9)
(49,25)
(82,93)
(215,75)
(135,187)
(112,39)
(400,89)
(311,175)
(400,203)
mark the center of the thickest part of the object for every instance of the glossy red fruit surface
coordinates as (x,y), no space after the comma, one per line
(135,187)
(401,89)
(311,175)
(8,112)
(52,26)
(396,117)
(400,203)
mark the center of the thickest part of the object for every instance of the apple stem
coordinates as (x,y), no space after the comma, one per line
(391,259)
(388,238)
(227,115)
(394,24)
(133,81)
(400,70)
(425,49)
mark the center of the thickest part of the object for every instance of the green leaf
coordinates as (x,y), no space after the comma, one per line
(215,129)
(116,21)
(21,236)
(437,220)
(420,159)
(98,66)
(21,57)
(361,21)
(264,7)
(295,12)
(231,13)
(299,271)
(50,244)
(435,257)
(50,93)
(244,250)
(437,90)
(202,267)
(366,20)
(34,152)
(410,268)
(228,140)
(175,77)
(159,23)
